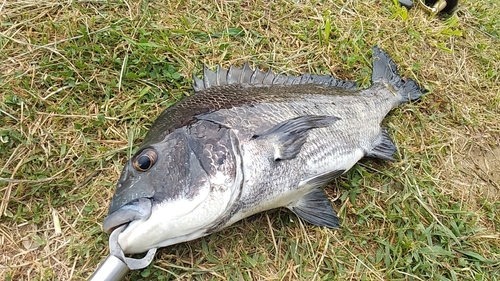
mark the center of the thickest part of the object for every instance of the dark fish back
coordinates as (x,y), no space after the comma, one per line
(229,96)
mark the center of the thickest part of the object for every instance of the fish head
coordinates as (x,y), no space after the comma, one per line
(176,190)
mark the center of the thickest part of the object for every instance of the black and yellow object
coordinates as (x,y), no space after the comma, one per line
(433,6)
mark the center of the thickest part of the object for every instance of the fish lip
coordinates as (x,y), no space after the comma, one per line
(138,209)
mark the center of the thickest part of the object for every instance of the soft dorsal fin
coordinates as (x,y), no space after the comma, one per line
(246,75)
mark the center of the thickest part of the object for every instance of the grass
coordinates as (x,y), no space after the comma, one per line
(81,82)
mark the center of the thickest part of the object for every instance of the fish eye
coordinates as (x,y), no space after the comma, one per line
(145,160)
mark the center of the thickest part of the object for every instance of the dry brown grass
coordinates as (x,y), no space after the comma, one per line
(70,113)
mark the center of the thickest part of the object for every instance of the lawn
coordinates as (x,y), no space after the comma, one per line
(82,81)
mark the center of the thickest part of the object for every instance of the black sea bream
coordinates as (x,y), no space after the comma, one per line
(249,141)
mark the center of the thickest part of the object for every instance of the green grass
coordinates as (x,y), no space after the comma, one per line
(82,81)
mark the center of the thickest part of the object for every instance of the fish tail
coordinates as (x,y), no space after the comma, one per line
(385,70)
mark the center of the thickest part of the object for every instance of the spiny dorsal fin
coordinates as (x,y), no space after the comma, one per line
(247,75)
(210,78)
(221,72)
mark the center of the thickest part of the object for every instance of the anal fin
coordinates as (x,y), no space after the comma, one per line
(384,147)
(316,208)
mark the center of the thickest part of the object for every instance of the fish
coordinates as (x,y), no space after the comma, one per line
(248,141)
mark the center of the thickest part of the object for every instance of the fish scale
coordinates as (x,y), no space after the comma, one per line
(337,136)
(249,141)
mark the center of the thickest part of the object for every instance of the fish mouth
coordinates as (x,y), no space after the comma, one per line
(138,209)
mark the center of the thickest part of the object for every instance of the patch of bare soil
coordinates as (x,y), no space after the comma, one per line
(487,167)
(479,167)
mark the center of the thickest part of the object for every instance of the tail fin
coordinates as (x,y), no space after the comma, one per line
(384,69)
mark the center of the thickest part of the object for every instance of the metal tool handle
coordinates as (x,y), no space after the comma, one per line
(406,3)
(116,265)
(111,269)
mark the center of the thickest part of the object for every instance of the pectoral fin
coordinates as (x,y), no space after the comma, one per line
(289,136)
(316,208)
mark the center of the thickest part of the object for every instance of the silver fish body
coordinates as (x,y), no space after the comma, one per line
(249,141)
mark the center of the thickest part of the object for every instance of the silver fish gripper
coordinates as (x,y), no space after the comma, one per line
(116,265)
